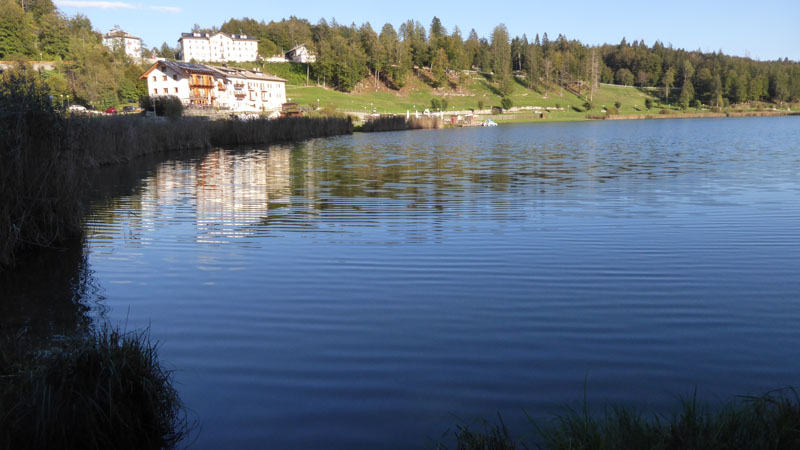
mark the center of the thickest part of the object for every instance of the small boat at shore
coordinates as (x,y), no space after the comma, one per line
(489,123)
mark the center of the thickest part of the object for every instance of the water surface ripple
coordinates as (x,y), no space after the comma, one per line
(356,292)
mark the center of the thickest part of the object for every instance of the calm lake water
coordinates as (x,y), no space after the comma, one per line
(369,291)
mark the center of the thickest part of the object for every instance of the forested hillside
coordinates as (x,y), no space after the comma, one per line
(347,53)
(86,71)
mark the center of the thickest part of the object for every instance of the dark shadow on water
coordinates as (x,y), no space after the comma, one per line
(50,293)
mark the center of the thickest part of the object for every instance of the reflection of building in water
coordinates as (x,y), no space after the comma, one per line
(279,175)
(159,202)
(227,194)
(234,192)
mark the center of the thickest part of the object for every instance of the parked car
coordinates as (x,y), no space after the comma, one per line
(76,108)
(111,110)
(131,109)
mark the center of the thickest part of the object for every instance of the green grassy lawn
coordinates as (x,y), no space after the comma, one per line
(417,95)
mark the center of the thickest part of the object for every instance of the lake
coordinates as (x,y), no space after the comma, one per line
(375,290)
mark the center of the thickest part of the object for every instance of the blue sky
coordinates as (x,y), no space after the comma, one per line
(768,29)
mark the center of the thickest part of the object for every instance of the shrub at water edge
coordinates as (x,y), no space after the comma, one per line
(771,421)
(103,390)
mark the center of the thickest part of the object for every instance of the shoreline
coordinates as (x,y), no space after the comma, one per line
(555,117)
(719,115)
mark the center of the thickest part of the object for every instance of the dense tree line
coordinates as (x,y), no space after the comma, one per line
(348,53)
(86,71)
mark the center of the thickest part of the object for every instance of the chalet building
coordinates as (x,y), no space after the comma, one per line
(217,47)
(117,38)
(194,84)
(300,54)
(225,88)
(245,90)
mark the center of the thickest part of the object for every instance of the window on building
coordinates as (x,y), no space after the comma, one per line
(155,91)
(176,90)
(164,78)
(175,77)
(154,78)
(166,91)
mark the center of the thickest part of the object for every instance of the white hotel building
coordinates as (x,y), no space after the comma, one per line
(217,47)
(226,88)
(117,38)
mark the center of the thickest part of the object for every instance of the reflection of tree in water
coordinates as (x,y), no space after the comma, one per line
(50,293)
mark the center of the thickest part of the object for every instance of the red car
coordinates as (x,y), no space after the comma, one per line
(111,110)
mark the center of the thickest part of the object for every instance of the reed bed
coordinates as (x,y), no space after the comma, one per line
(770,421)
(40,182)
(110,140)
(264,131)
(103,390)
(400,123)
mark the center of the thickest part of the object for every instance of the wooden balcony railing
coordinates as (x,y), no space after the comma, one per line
(201,81)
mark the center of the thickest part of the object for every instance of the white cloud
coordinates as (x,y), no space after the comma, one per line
(95,4)
(114,5)
(169,9)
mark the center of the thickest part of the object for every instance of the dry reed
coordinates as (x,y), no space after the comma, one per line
(399,123)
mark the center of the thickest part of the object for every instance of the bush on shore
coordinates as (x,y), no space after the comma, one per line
(102,390)
(164,106)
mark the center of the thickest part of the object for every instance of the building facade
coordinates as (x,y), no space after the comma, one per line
(217,47)
(117,38)
(245,90)
(225,88)
(300,54)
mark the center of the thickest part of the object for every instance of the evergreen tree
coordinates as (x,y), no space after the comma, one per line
(439,68)
(472,48)
(501,59)
(533,64)
(687,94)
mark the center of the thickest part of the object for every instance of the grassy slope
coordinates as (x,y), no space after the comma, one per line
(418,95)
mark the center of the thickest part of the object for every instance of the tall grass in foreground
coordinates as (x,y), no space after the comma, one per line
(399,123)
(771,421)
(106,390)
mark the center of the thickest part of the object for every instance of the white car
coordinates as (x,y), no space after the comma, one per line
(77,108)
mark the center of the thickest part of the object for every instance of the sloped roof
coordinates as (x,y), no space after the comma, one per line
(248,74)
(117,33)
(297,47)
(217,71)
(235,37)
(180,66)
